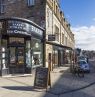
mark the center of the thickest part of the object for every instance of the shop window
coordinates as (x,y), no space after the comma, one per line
(4,54)
(20,56)
(31,2)
(28,54)
(2,6)
(12,55)
(55,57)
(36,53)
(16,40)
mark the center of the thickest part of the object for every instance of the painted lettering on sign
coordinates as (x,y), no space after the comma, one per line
(23,27)
(16,31)
(41,77)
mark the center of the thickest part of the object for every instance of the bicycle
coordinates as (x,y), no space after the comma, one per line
(77,70)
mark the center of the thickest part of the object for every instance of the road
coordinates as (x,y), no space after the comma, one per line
(86,92)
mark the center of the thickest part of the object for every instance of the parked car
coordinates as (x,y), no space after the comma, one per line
(84,65)
(83,58)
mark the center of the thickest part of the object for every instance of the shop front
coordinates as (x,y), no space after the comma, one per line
(58,56)
(21,46)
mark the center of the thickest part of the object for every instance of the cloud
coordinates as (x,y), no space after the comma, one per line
(85,37)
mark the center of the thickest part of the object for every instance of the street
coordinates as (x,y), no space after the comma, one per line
(64,84)
(47,48)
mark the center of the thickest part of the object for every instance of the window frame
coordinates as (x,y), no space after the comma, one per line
(2,6)
(30,3)
(57,33)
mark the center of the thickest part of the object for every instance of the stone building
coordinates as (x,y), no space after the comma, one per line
(59,39)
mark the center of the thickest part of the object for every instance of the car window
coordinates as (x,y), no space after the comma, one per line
(81,58)
(81,62)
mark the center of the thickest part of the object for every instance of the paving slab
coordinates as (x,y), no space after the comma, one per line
(64,84)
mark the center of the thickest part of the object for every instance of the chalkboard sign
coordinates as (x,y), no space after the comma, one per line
(42,78)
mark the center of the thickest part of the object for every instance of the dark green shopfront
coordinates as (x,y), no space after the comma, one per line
(21,46)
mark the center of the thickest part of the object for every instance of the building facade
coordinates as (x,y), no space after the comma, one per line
(58,37)
(21,46)
(57,25)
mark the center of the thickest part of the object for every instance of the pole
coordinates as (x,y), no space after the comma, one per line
(44,48)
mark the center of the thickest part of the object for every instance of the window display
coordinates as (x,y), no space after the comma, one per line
(4,54)
(28,54)
(36,52)
(20,46)
(20,55)
(12,55)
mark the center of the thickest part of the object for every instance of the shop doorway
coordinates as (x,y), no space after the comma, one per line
(16,60)
(50,62)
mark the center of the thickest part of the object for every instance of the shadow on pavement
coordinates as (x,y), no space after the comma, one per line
(23,88)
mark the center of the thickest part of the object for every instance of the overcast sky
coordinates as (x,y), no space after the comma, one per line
(81,15)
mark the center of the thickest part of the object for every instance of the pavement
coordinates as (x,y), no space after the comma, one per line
(63,84)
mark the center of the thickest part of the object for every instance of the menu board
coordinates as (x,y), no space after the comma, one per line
(41,77)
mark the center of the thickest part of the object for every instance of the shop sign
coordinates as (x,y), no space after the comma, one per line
(16,31)
(51,37)
(16,26)
(42,77)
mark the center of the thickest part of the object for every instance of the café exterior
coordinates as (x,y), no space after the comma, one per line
(21,46)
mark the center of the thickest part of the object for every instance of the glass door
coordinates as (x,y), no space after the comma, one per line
(16,60)
(20,64)
(12,60)
(12,56)
(20,56)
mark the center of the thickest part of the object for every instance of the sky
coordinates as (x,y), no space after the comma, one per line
(81,15)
